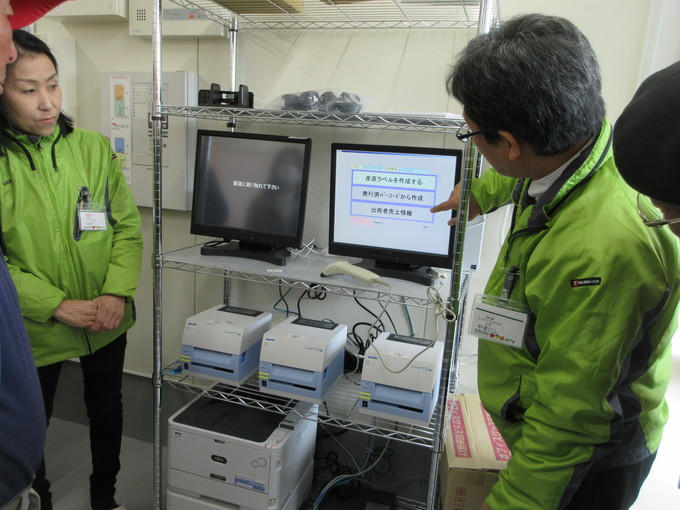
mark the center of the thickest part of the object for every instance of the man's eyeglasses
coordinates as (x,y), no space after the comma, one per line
(464,133)
(651,215)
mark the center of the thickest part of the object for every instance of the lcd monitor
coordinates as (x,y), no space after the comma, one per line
(380,207)
(250,189)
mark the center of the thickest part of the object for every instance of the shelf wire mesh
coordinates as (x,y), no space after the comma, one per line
(350,14)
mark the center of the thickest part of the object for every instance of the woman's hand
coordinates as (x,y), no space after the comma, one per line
(76,313)
(110,311)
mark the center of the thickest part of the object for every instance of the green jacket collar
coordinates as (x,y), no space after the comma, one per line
(24,142)
(581,169)
(29,140)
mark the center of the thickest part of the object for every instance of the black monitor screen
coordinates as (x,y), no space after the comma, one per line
(380,206)
(250,188)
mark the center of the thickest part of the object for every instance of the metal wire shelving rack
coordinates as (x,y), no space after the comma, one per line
(373,120)
(345,14)
(339,410)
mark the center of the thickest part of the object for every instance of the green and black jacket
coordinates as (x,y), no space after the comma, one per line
(49,257)
(587,387)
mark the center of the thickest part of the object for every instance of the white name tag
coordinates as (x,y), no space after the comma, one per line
(92,220)
(503,323)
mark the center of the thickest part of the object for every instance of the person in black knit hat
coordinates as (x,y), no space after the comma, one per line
(647,147)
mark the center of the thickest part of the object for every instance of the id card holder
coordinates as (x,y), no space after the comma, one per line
(91,217)
(500,321)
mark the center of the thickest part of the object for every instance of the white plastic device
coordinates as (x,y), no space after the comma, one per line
(345,268)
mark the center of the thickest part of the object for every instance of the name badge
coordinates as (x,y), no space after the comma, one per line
(91,217)
(503,322)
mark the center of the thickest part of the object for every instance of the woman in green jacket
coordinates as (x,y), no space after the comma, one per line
(72,242)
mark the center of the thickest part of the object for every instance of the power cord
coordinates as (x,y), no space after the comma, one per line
(306,251)
(344,478)
(441,310)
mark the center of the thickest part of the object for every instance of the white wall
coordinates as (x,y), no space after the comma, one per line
(616,30)
(398,70)
(662,43)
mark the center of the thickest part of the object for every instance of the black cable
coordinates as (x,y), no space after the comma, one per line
(335,469)
(311,293)
(357,339)
(382,325)
(282,297)
(394,327)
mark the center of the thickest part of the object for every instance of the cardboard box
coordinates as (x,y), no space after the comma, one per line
(261,6)
(474,453)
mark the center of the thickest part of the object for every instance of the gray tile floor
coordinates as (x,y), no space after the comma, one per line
(68,464)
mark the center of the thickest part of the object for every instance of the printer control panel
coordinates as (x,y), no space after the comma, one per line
(409,340)
(240,311)
(315,324)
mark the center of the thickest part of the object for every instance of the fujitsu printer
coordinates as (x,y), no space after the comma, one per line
(223,343)
(226,456)
(408,391)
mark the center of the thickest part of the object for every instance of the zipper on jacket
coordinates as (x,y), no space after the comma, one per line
(87,341)
(515,234)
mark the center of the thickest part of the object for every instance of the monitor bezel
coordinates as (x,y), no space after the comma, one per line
(239,234)
(389,255)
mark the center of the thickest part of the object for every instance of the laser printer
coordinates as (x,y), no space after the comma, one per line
(223,343)
(408,391)
(302,358)
(177,500)
(227,456)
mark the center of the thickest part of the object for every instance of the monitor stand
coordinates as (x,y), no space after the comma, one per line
(415,274)
(256,251)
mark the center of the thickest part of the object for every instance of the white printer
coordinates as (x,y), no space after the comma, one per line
(408,391)
(302,358)
(223,343)
(226,456)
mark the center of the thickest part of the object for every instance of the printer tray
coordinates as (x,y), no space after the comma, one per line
(231,419)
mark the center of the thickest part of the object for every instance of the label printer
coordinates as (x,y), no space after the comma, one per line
(302,358)
(223,343)
(227,456)
(408,391)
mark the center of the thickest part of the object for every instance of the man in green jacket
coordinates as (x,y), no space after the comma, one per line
(578,313)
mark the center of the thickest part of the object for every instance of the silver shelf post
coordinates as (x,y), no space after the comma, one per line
(157,251)
(453,330)
(471,164)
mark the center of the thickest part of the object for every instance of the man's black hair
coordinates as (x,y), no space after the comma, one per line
(536,77)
